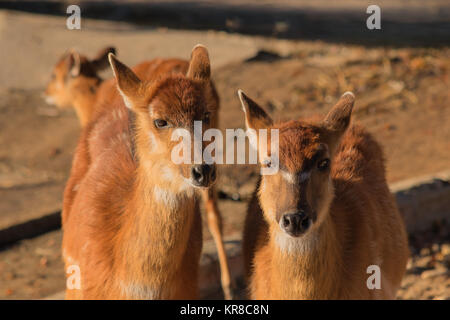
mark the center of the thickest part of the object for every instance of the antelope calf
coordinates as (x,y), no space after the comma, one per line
(131,218)
(313,228)
(75,83)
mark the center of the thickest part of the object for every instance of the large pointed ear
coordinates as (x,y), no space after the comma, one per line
(100,62)
(199,66)
(255,116)
(128,83)
(338,119)
(73,62)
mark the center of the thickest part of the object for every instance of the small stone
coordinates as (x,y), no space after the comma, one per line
(446,260)
(423,262)
(439,256)
(54,152)
(43,262)
(445,249)
(10,276)
(410,264)
(435,247)
(417,63)
(425,251)
(433,273)
(43,252)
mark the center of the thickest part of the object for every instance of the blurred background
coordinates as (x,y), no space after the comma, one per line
(294,57)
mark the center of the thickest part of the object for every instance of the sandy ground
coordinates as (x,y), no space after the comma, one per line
(33,269)
(46,38)
(402,98)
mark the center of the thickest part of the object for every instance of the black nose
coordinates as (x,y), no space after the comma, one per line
(203,175)
(295,224)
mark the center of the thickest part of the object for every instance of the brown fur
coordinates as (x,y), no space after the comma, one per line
(127,244)
(75,83)
(355,219)
(90,96)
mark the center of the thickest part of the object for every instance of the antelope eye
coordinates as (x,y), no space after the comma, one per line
(323,165)
(160,123)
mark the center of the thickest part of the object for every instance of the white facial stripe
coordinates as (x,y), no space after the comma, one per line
(152,140)
(291,178)
(288,177)
(271,213)
(150,111)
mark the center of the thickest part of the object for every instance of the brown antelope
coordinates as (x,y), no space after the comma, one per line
(131,217)
(313,228)
(75,83)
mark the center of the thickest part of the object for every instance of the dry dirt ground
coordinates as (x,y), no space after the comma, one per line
(402,98)
(33,268)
